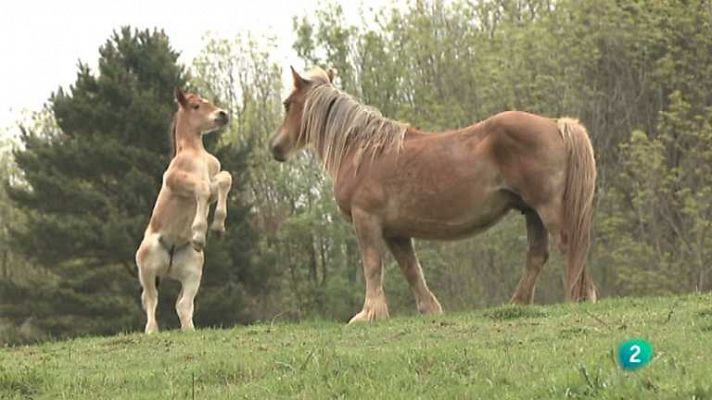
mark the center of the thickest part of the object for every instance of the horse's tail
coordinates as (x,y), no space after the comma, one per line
(578,208)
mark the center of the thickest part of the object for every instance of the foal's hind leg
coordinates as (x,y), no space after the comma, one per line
(370,241)
(150,259)
(537,255)
(188,269)
(404,253)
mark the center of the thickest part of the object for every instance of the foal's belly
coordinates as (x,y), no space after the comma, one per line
(176,219)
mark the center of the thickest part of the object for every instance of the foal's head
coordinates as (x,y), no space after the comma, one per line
(198,114)
(288,138)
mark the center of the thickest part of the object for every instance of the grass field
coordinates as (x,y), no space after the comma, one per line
(560,351)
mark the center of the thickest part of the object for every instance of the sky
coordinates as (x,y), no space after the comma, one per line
(42,41)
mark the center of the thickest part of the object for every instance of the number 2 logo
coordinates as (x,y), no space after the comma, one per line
(634,354)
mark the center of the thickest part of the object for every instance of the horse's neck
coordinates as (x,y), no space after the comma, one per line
(187,139)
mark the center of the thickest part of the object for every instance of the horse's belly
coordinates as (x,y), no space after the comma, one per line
(444,219)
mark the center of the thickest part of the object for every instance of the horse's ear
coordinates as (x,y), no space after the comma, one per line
(299,82)
(331,73)
(180,97)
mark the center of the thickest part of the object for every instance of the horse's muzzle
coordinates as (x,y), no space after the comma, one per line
(278,154)
(277,149)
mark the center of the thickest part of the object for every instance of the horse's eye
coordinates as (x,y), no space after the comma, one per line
(286,106)
(195,106)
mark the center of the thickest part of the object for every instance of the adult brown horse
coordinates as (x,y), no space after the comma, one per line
(395,183)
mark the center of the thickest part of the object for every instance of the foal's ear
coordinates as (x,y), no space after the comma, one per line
(180,97)
(331,73)
(299,82)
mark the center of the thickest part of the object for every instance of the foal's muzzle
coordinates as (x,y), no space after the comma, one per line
(222,118)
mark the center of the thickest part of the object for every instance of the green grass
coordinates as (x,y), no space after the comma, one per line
(560,351)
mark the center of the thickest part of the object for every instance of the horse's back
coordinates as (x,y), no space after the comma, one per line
(523,127)
(529,153)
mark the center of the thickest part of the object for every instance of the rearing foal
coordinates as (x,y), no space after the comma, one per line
(173,243)
(395,183)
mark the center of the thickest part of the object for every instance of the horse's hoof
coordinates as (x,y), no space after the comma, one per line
(430,307)
(360,317)
(370,314)
(521,301)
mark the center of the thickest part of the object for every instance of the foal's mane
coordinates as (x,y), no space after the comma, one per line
(172,138)
(335,123)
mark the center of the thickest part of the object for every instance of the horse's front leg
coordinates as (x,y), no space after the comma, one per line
(220,187)
(370,241)
(185,184)
(404,253)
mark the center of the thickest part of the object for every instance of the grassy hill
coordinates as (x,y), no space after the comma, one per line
(560,351)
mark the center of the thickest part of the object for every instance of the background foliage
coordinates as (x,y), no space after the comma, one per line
(79,188)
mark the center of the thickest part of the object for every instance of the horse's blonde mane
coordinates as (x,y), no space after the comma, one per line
(335,124)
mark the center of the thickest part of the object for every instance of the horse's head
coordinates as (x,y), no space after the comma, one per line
(288,137)
(199,114)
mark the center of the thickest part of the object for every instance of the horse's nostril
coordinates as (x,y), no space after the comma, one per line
(223,116)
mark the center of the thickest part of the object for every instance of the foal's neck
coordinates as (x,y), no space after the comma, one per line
(187,138)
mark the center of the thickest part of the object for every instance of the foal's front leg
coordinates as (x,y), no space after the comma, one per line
(220,185)
(371,245)
(188,185)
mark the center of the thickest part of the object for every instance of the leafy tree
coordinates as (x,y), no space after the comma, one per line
(660,215)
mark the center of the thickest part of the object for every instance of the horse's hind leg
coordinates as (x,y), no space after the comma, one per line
(538,253)
(404,253)
(370,241)
(150,258)
(577,287)
(188,269)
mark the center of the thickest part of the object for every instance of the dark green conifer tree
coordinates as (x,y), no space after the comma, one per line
(90,187)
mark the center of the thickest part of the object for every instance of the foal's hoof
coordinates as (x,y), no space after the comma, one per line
(198,242)
(151,328)
(219,229)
